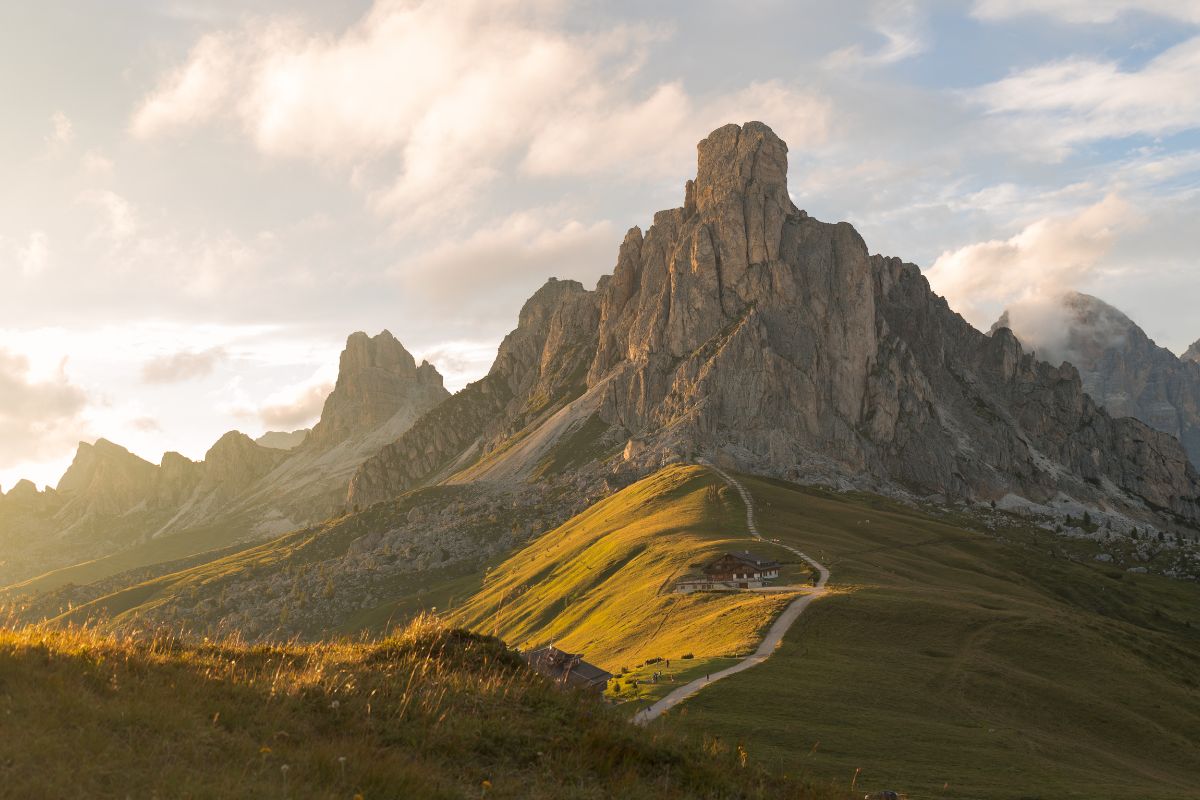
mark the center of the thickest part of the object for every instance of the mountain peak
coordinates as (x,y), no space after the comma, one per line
(1193,352)
(1073,327)
(740,161)
(91,457)
(377,377)
(1119,365)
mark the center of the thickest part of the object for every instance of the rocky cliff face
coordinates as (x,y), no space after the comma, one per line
(377,379)
(283,440)
(1120,366)
(105,479)
(110,499)
(739,325)
(1193,352)
(540,366)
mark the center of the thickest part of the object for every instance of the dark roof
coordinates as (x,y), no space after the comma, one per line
(746,556)
(565,667)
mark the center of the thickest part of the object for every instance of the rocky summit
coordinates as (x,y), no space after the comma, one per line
(1120,366)
(1193,352)
(739,327)
(111,500)
(377,378)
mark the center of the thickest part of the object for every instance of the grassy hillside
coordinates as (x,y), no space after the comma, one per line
(950,660)
(600,584)
(361,573)
(995,664)
(429,712)
(181,545)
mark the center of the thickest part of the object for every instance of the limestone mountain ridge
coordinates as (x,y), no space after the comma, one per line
(739,327)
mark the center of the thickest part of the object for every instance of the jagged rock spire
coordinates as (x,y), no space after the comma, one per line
(377,377)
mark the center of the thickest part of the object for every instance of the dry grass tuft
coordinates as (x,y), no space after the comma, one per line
(430,712)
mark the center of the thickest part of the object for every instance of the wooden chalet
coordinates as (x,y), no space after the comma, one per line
(739,569)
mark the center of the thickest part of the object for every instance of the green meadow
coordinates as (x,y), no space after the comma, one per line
(948,660)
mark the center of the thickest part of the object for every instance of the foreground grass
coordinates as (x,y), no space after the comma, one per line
(430,712)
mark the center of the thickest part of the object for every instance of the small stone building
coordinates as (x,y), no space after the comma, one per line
(568,670)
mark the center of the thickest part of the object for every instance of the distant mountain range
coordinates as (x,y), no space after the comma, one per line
(111,500)
(735,327)
(1120,366)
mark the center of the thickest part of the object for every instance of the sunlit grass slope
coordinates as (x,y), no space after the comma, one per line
(427,713)
(188,544)
(601,583)
(411,592)
(950,662)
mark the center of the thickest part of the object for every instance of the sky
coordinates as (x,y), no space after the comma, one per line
(199,201)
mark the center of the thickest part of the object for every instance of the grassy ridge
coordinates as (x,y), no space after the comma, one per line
(600,584)
(155,551)
(429,712)
(957,664)
(294,550)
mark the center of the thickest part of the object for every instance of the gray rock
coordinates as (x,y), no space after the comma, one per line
(377,378)
(738,323)
(1120,366)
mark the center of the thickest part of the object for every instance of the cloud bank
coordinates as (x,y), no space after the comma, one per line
(427,104)
(1035,267)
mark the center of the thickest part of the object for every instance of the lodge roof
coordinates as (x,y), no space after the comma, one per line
(563,666)
(753,558)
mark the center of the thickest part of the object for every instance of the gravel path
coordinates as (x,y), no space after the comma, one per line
(774,636)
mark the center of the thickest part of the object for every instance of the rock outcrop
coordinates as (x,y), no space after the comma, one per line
(377,379)
(283,440)
(738,324)
(540,366)
(110,499)
(105,479)
(1192,353)
(1120,366)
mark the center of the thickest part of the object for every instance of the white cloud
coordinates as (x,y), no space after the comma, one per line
(426,103)
(96,164)
(1056,106)
(40,416)
(193,93)
(1087,11)
(658,135)
(298,405)
(460,361)
(33,257)
(509,259)
(119,222)
(182,366)
(1034,267)
(198,264)
(898,24)
(62,131)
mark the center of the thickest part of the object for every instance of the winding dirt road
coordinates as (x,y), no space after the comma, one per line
(774,636)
